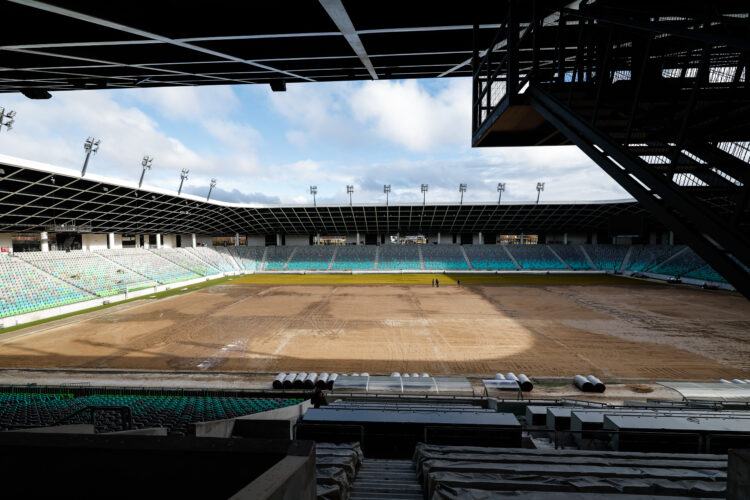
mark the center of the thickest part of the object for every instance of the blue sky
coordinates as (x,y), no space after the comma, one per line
(265,147)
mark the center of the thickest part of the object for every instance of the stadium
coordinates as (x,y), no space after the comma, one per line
(566,349)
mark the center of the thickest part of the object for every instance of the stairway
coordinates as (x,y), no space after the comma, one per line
(386,479)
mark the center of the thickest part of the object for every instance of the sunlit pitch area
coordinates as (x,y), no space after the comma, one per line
(625,331)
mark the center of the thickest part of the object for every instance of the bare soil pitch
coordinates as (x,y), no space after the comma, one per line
(615,331)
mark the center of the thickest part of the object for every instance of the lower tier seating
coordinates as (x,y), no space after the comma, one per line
(444,257)
(277,257)
(173,412)
(25,288)
(535,257)
(354,257)
(316,257)
(644,257)
(572,255)
(607,257)
(149,264)
(399,257)
(489,257)
(249,258)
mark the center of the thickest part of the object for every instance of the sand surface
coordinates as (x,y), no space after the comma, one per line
(614,331)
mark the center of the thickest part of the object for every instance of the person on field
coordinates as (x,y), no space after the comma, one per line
(459,283)
(437,282)
(433,282)
(318,399)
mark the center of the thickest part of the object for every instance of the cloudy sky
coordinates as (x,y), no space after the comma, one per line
(266,147)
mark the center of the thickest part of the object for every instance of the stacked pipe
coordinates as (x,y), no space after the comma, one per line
(589,383)
(299,380)
(331,379)
(734,381)
(289,380)
(322,381)
(278,382)
(522,380)
(309,381)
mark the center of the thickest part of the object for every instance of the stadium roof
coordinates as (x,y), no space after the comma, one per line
(36,196)
(83,44)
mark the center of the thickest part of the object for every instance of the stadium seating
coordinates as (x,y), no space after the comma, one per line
(535,257)
(681,264)
(607,257)
(316,257)
(149,264)
(172,412)
(25,288)
(644,257)
(705,273)
(353,257)
(444,257)
(277,257)
(572,255)
(218,257)
(88,271)
(489,257)
(398,257)
(249,258)
(183,258)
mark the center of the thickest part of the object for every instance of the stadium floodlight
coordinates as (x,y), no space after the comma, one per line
(90,146)
(146,163)
(183,176)
(314,191)
(10,115)
(425,187)
(387,191)
(539,189)
(500,189)
(211,188)
(462,190)
(349,191)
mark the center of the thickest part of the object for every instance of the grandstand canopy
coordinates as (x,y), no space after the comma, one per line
(34,196)
(55,45)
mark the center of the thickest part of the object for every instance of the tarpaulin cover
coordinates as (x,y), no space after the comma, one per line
(447,492)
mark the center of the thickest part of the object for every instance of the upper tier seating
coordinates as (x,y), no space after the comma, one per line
(644,257)
(443,257)
(183,258)
(572,255)
(354,257)
(535,257)
(315,257)
(87,270)
(172,412)
(217,257)
(277,257)
(607,257)
(398,257)
(681,264)
(490,257)
(149,264)
(249,258)
(25,288)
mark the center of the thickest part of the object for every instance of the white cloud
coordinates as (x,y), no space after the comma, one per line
(404,113)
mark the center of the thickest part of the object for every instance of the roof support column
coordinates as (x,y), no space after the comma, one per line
(44,239)
(110,240)
(158,240)
(236,239)
(192,240)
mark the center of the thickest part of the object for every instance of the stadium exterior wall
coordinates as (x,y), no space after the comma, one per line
(94,241)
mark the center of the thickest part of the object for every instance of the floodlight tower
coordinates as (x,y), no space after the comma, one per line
(425,187)
(146,163)
(90,146)
(211,188)
(539,189)
(500,189)
(10,115)
(462,190)
(387,191)
(183,176)
(349,191)
(314,191)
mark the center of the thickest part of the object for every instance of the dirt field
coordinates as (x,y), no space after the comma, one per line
(615,331)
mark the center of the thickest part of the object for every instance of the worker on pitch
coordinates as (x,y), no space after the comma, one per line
(318,399)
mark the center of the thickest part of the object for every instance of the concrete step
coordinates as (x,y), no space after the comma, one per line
(380,479)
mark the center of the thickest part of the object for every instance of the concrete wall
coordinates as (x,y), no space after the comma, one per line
(738,475)
(256,240)
(94,242)
(291,478)
(169,240)
(203,240)
(118,241)
(6,241)
(296,239)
